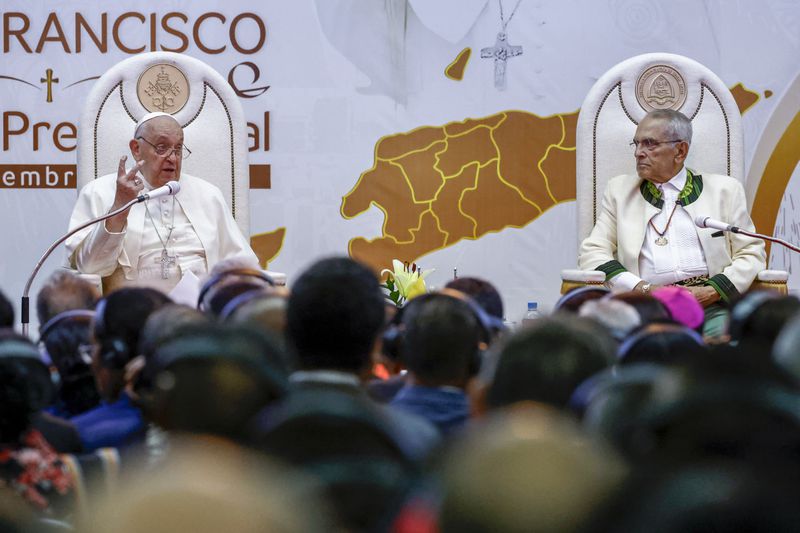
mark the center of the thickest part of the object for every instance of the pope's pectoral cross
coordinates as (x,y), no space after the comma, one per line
(500,52)
(166,261)
(49,80)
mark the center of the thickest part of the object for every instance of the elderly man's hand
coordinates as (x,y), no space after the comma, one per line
(704,294)
(128,187)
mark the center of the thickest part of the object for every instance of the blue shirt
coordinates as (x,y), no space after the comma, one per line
(111,425)
(446,408)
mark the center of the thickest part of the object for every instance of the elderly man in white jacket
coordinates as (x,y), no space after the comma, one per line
(645,234)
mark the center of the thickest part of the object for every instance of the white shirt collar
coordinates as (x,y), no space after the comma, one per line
(678,180)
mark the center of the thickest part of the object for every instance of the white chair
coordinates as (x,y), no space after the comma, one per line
(213,121)
(212,118)
(612,111)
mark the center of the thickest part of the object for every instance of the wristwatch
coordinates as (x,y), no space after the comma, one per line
(646,288)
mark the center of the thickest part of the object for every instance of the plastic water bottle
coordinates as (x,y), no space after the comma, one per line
(532,314)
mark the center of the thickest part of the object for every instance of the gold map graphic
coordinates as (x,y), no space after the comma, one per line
(455,70)
(268,245)
(437,186)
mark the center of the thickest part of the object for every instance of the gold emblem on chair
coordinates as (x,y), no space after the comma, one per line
(661,87)
(163,87)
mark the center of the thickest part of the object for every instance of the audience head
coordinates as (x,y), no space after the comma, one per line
(786,351)
(728,403)
(25,385)
(264,309)
(681,306)
(64,291)
(211,486)
(351,446)
(482,293)
(211,378)
(572,301)
(229,279)
(648,307)
(663,343)
(334,315)
(67,339)
(117,328)
(757,318)
(441,339)
(612,402)
(548,360)
(719,495)
(618,318)
(162,325)
(527,470)
(6,312)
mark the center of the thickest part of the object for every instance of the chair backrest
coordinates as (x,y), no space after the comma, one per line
(196,95)
(621,98)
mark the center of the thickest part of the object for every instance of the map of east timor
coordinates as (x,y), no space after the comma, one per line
(439,185)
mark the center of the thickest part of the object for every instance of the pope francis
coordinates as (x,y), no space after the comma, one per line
(156,242)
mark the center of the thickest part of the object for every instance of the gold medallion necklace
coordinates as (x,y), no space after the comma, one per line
(661,240)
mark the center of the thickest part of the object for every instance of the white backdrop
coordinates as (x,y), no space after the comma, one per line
(344,73)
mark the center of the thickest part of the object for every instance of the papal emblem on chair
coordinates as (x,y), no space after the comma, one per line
(163,87)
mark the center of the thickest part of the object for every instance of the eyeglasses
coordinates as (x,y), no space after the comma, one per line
(162,150)
(651,144)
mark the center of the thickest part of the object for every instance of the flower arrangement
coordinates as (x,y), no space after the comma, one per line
(405,281)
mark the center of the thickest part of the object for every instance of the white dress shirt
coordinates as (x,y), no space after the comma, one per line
(681,258)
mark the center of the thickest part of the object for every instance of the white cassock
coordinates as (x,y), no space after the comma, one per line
(204,232)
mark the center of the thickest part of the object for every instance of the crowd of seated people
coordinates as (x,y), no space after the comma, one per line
(325,408)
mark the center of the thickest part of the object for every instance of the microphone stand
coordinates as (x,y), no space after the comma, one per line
(735,229)
(25,309)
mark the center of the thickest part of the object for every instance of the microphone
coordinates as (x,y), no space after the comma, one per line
(170,189)
(702,221)
(708,222)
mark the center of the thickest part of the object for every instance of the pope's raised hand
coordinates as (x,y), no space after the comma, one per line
(129,185)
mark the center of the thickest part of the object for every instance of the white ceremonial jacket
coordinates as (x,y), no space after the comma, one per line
(104,252)
(733,260)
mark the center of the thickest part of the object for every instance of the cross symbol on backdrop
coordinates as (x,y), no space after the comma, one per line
(49,80)
(500,52)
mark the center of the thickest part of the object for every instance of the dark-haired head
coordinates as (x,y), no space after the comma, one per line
(66,342)
(441,340)
(482,293)
(572,301)
(334,315)
(25,385)
(547,361)
(212,378)
(117,328)
(6,312)
(649,308)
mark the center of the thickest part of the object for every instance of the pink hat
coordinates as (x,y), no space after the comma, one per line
(681,305)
